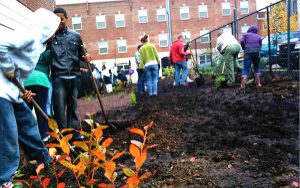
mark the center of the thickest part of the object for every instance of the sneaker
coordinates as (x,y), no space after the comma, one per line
(7,185)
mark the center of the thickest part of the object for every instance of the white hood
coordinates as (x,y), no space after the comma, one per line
(21,49)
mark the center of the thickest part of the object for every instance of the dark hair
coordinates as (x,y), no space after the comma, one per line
(61,10)
(139,46)
(144,38)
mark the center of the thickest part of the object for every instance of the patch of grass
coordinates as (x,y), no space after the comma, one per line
(133,98)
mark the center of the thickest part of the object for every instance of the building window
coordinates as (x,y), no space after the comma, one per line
(245,28)
(203,11)
(161,15)
(103,47)
(227,29)
(184,13)
(122,46)
(120,20)
(100,22)
(204,58)
(261,15)
(204,36)
(163,40)
(186,36)
(143,16)
(76,22)
(226,9)
(244,7)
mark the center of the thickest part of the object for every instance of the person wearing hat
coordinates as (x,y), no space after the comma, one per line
(19,52)
(67,52)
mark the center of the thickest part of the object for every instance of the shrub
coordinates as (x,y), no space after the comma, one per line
(168,71)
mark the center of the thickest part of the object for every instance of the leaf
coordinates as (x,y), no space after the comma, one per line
(141,160)
(134,151)
(84,133)
(79,169)
(152,146)
(67,130)
(52,125)
(118,155)
(107,142)
(45,182)
(149,125)
(64,143)
(110,168)
(133,182)
(152,135)
(21,181)
(89,121)
(98,133)
(99,155)
(91,182)
(137,131)
(52,152)
(146,175)
(81,145)
(104,185)
(53,135)
(137,143)
(101,126)
(128,172)
(61,185)
(67,164)
(61,173)
(50,145)
(39,168)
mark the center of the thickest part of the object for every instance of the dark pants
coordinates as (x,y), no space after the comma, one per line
(65,92)
(141,81)
(41,99)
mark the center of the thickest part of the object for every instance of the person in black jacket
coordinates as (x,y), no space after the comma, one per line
(67,53)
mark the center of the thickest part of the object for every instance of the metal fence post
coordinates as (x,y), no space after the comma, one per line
(289,33)
(196,53)
(210,46)
(269,40)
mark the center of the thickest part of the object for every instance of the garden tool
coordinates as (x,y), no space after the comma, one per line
(96,89)
(200,78)
(39,109)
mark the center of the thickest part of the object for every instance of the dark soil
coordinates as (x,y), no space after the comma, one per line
(211,137)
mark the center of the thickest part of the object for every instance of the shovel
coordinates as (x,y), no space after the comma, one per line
(200,78)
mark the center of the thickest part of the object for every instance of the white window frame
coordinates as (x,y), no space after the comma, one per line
(101,19)
(103,44)
(204,32)
(244,5)
(244,28)
(226,6)
(143,14)
(161,12)
(184,10)
(259,15)
(186,36)
(206,58)
(163,37)
(203,9)
(121,43)
(119,18)
(76,20)
(227,30)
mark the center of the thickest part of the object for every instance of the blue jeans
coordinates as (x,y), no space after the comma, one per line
(141,81)
(251,58)
(65,93)
(178,67)
(152,78)
(18,127)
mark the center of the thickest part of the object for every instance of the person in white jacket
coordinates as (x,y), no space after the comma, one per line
(19,53)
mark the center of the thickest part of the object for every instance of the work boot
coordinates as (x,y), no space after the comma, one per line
(243,82)
(257,80)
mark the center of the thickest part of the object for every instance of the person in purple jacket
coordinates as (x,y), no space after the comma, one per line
(251,44)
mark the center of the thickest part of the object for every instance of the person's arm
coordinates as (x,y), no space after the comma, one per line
(142,59)
(6,64)
(219,45)
(83,55)
(242,42)
(181,51)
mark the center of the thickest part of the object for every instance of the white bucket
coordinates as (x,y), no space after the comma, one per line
(109,88)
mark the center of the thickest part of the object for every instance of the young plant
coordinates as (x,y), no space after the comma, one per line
(133,98)
(219,80)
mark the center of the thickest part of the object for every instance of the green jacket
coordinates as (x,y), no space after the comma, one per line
(148,53)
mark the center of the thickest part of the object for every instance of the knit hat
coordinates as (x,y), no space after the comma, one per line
(44,23)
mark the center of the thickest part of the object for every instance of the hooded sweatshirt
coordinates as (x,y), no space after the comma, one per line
(251,41)
(20,50)
(177,53)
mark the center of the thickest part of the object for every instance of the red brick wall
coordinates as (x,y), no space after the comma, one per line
(91,35)
(35,4)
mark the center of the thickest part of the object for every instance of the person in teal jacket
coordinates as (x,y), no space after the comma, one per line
(149,61)
(38,83)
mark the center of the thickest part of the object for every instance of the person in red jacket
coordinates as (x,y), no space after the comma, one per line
(177,56)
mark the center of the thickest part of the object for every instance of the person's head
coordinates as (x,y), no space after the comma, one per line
(253,29)
(62,13)
(103,67)
(144,39)
(220,32)
(139,46)
(180,37)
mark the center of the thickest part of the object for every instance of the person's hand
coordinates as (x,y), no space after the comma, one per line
(10,75)
(87,58)
(27,96)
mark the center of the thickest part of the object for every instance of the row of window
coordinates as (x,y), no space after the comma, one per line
(161,15)
(163,40)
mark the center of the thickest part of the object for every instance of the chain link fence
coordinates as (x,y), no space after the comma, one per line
(279,28)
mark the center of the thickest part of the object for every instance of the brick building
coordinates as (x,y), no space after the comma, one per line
(33,5)
(111,29)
